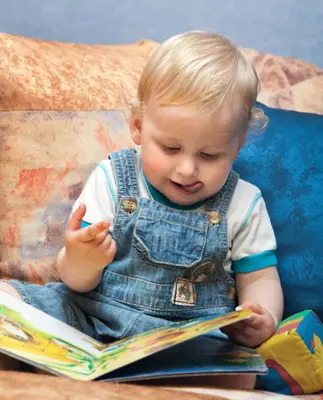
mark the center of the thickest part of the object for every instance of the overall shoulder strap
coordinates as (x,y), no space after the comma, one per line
(124,166)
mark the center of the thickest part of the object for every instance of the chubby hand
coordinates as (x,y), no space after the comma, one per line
(252,331)
(92,245)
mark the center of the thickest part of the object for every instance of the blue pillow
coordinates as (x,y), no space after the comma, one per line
(286,163)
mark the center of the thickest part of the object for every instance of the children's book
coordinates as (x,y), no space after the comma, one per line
(180,349)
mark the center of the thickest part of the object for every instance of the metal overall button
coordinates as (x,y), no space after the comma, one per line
(214,217)
(130,206)
(203,271)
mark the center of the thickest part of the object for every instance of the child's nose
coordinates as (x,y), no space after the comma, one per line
(187,167)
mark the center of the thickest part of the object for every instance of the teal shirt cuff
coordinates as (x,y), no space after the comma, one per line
(255,262)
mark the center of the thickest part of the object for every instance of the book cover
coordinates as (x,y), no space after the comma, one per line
(179,349)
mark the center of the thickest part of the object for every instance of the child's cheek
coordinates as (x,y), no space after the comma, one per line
(157,164)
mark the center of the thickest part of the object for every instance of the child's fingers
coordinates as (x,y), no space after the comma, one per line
(235,334)
(255,307)
(75,221)
(105,243)
(249,325)
(90,232)
(256,322)
(242,334)
(100,238)
(110,247)
(231,329)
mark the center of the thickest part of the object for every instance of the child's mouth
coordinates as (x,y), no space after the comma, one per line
(187,189)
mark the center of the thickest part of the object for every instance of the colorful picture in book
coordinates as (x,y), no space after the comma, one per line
(43,341)
(18,335)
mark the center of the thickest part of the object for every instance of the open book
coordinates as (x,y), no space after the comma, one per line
(179,349)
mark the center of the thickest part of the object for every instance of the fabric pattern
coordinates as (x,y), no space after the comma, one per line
(46,158)
(288,83)
(286,164)
(41,75)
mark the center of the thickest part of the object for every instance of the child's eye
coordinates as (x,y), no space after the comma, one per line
(170,149)
(209,156)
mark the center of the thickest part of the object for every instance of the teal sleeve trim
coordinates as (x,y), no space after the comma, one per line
(250,211)
(84,224)
(112,191)
(255,262)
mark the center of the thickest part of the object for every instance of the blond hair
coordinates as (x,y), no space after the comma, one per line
(203,69)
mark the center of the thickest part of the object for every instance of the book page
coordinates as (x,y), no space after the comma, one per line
(126,351)
(41,340)
(203,355)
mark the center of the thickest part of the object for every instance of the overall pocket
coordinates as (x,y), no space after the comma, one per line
(170,237)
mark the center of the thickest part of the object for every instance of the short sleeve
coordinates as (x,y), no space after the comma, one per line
(99,196)
(254,245)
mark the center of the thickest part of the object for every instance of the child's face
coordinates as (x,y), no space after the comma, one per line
(187,155)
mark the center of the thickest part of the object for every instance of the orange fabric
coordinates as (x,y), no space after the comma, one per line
(47,157)
(41,75)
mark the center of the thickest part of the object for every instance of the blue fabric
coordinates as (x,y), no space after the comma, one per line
(169,262)
(286,163)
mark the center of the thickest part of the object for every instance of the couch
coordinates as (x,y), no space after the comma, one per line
(63,108)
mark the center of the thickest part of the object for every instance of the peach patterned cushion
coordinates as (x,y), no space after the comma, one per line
(288,83)
(47,156)
(41,75)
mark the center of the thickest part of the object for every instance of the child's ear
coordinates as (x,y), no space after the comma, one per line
(135,127)
(241,143)
(242,140)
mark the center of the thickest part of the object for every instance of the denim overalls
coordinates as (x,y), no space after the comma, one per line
(168,265)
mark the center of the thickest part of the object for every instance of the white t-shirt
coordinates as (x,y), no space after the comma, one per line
(252,241)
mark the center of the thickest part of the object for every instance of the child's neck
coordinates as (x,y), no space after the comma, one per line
(161,198)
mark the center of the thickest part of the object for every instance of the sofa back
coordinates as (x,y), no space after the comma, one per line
(62,111)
